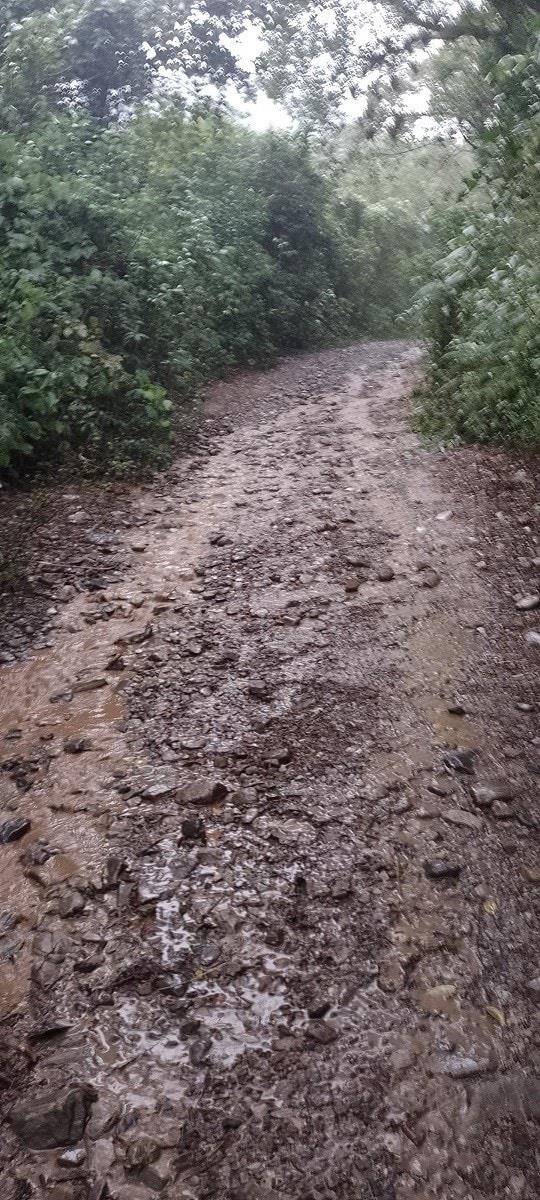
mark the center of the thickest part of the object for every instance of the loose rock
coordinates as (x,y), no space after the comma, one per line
(460,760)
(11,831)
(72,1158)
(53,1119)
(529,602)
(203,791)
(77,745)
(458,816)
(439,868)
(71,903)
(485,794)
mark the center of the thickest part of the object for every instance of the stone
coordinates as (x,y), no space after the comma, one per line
(357,560)
(102,1156)
(203,791)
(193,829)
(258,689)
(430,578)
(71,903)
(155,791)
(157,1174)
(440,787)
(460,760)
(77,745)
(89,685)
(440,868)
(529,602)
(322,1032)
(436,999)
(116,663)
(351,584)
(459,816)
(456,709)
(318,1008)
(199,1050)
(385,573)
(501,811)
(105,1115)
(531,874)
(54,1118)
(485,794)
(11,831)
(140,1152)
(133,1191)
(533,637)
(459,1066)
(72,1158)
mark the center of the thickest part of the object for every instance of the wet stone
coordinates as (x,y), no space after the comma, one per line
(258,689)
(72,1158)
(71,903)
(318,1008)
(140,1152)
(459,1066)
(203,791)
(322,1032)
(88,685)
(441,868)
(501,811)
(199,1051)
(529,602)
(193,829)
(460,760)
(430,578)
(77,745)
(487,793)
(53,1119)
(11,831)
(440,787)
(458,816)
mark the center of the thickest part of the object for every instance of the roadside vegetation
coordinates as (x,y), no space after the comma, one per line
(150,240)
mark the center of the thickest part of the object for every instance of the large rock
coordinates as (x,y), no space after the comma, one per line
(54,1119)
(203,791)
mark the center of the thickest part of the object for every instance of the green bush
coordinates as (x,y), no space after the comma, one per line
(138,262)
(483,310)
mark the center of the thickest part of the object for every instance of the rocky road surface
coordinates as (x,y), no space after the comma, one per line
(269,830)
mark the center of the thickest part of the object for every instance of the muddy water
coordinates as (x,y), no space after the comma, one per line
(284,1002)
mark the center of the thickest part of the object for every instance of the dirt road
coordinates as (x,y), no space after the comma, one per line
(272,933)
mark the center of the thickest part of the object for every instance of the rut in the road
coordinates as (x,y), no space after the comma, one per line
(293,954)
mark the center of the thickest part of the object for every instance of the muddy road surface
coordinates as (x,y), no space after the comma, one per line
(269,826)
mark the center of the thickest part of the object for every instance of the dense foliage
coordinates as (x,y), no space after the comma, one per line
(484,308)
(139,261)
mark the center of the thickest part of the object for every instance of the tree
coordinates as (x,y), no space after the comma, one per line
(106,55)
(322,54)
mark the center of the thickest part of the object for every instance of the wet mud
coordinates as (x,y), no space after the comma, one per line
(273,929)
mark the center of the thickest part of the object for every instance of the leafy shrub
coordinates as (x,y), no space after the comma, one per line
(139,261)
(483,310)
